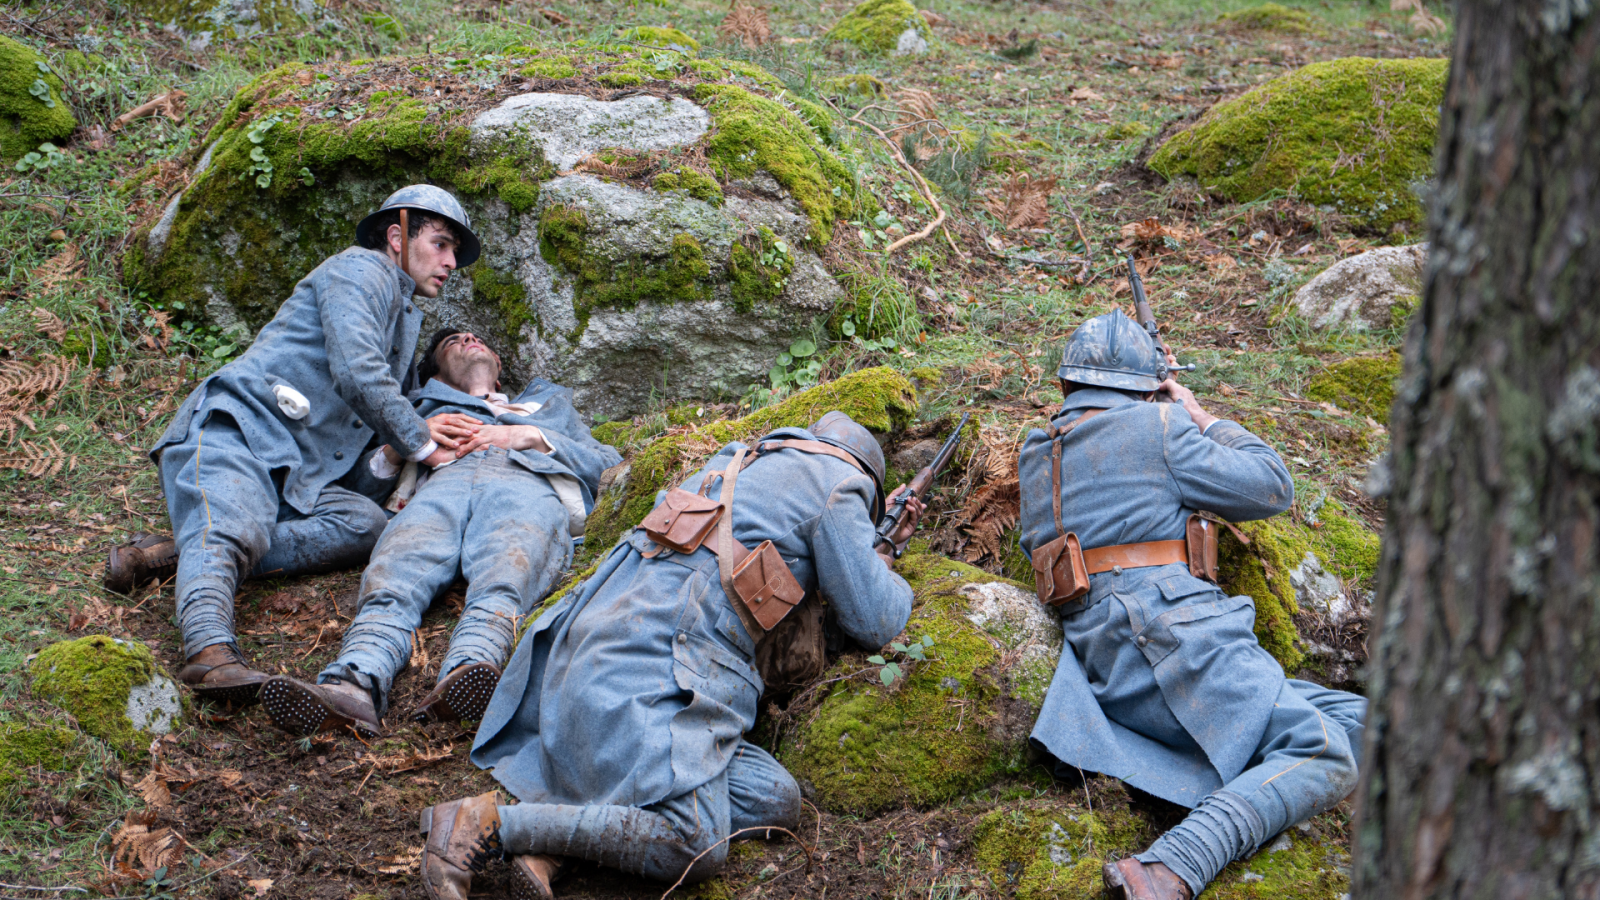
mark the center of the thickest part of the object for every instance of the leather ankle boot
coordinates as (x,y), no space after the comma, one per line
(219,674)
(1130,879)
(461,695)
(463,835)
(145,558)
(532,875)
(301,708)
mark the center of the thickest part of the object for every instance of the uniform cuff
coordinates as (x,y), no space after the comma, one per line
(425,452)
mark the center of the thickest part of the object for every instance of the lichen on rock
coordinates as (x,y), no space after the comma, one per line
(1353,133)
(32,110)
(1363,385)
(1372,290)
(880,399)
(880,26)
(616,283)
(115,689)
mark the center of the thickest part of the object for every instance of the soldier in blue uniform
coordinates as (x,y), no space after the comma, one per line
(1165,686)
(503,512)
(257,465)
(620,720)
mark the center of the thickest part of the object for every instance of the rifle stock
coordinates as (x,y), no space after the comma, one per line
(918,487)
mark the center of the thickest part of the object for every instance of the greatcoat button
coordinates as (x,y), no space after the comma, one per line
(1142,640)
(356,424)
(338,454)
(683,638)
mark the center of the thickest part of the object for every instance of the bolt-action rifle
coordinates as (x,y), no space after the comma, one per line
(1147,318)
(920,484)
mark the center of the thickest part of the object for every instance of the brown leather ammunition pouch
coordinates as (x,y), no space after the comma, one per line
(764,583)
(1059,572)
(1200,536)
(683,521)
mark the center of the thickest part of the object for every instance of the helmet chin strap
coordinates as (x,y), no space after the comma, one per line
(405,242)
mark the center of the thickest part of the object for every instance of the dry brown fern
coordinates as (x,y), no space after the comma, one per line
(747,24)
(916,105)
(38,461)
(64,266)
(994,501)
(49,324)
(27,385)
(138,844)
(1023,201)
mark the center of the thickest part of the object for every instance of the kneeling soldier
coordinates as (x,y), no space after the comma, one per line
(620,721)
(1166,687)
(501,510)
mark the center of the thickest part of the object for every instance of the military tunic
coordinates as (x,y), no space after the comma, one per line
(248,487)
(1166,686)
(503,519)
(619,722)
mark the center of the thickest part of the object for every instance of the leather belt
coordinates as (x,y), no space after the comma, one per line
(1136,556)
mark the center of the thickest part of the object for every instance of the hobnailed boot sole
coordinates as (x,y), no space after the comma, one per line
(525,886)
(234,694)
(302,712)
(466,698)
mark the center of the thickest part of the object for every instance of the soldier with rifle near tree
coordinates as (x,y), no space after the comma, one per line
(1164,685)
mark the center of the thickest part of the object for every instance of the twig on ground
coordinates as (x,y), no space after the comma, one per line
(922,184)
(767,828)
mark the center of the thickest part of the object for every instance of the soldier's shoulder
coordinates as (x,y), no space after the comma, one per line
(360,264)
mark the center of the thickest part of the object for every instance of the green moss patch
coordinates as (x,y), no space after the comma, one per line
(91,678)
(875,26)
(1353,133)
(1363,385)
(1277,546)
(930,736)
(551,67)
(754,133)
(758,268)
(223,18)
(853,86)
(680,276)
(880,399)
(25,745)
(32,111)
(667,38)
(1271,17)
(1055,854)
(496,292)
(693,182)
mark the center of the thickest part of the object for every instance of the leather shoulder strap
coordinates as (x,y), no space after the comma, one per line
(817,447)
(727,547)
(1058,437)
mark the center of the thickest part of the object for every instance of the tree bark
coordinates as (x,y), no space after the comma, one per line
(1481,776)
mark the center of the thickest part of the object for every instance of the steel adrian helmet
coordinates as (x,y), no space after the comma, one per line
(430,199)
(848,435)
(1113,351)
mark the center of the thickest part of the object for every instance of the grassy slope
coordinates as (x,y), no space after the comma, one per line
(991,327)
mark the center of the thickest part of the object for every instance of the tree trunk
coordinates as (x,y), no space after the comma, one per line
(1481,776)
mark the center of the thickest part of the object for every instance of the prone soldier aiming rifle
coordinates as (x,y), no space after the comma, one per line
(917,488)
(1147,317)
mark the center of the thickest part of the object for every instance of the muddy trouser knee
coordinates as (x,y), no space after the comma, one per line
(223,503)
(1303,766)
(662,841)
(340,532)
(475,517)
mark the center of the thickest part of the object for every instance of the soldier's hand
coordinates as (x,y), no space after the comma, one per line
(1177,393)
(908,519)
(439,457)
(509,437)
(448,429)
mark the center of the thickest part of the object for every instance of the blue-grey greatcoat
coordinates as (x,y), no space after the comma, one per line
(623,709)
(1166,687)
(247,486)
(503,519)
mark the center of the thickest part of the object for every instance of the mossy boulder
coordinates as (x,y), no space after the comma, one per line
(202,21)
(28,744)
(1281,562)
(1270,17)
(881,399)
(1055,853)
(32,111)
(1362,385)
(882,26)
(1356,134)
(945,726)
(115,689)
(613,259)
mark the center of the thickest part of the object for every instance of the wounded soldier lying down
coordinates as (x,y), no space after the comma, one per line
(501,511)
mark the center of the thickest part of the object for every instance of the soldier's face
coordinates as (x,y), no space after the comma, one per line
(433,257)
(462,352)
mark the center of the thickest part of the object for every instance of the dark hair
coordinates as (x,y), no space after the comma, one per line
(429,366)
(378,235)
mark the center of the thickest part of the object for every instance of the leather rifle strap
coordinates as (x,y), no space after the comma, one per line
(405,243)
(1057,437)
(726,547)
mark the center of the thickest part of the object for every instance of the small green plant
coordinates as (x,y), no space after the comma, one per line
(667,62)
(306,178)
(386,25)
(48,156)
(41,88)
(158,886)
(878,231)
(890,670)
(871,345)
(805,367)
(260,164)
